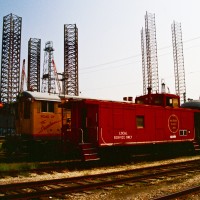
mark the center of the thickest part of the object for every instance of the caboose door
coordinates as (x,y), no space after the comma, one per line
(91,123)
(197,125)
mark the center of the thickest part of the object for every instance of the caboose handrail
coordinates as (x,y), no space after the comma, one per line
(97,133)
(81,135)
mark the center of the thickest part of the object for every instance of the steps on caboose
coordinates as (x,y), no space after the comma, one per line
(196,146)
(89,152)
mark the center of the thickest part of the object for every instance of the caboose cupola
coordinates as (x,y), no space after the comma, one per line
(159,99)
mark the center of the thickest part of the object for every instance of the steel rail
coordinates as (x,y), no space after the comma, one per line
(179,193)
(77,184)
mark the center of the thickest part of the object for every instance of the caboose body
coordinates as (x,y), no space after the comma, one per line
(103,124)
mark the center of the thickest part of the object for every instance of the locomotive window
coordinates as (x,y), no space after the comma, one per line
(17,110)
(44,106)
(27,106)
(50,106)
(140,121)
(47,106)
(38,107)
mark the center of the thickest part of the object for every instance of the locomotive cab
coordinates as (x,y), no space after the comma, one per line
(38,115)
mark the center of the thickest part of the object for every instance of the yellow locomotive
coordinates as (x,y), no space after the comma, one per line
(38,116)
(38,124)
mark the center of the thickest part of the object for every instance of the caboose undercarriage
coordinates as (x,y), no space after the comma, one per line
(37,150)
(89,152)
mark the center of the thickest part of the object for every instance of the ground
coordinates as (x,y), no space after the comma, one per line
(144,190)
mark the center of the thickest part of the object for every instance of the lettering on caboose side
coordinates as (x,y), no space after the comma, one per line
(173,123)
(122,135)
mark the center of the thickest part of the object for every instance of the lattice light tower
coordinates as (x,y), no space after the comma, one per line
(144,61)
(179,70)
(48,78)
(34,55)
(10,58)
(71,86)
(149,55)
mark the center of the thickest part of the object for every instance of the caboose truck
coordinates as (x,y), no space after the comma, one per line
(154,120)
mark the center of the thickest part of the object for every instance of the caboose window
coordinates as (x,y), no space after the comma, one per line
(140,121)
(47,106)
(158,101)
(169,101)
(175,102)
(183,132)
(140,101)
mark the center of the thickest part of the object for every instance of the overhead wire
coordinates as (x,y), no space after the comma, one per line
(131,57)
(126,58)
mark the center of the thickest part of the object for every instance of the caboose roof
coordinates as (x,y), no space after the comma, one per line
(41,96)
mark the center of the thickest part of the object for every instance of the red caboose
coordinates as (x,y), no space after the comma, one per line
(89,123)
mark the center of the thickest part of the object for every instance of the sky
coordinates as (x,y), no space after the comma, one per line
(109,40)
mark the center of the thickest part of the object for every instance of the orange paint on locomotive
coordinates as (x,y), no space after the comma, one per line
(38,118)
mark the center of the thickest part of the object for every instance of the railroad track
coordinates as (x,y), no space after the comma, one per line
(14,158)
(182,193)
(65,186)
(69,164)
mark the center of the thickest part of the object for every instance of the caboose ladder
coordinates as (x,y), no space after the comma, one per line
(196,146)
(89,152)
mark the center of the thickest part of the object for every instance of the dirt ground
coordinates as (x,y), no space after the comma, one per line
(143,191)
(140,191)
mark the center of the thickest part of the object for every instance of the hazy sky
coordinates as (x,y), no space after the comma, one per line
(109,40)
